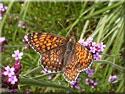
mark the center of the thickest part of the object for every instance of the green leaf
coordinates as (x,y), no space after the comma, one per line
(40,83)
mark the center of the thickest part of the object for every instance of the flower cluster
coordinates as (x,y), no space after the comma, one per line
(74,84)
(10,76)
(112,78)
(2,10)
(90,82)
(93,48)
(19,24)
(25,40)
(89,71)
(2,42)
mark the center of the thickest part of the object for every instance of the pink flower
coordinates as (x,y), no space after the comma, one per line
(19,24)
(23,27)
(96,56)
(101,47)
(2,39)
(2,10)
(25,40)
(26,37)
(9,71)
(92,49)
(12,79)
(89,72)
(112,78)
(83,42)
(89,39)
(17,55)
(90,82)
(10,76)
(75,84)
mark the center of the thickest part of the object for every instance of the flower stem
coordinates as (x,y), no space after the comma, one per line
(112,64)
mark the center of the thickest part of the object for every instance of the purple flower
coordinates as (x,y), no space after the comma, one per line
(9,71)
(74,84)
(89,40)
(101,47)
(45,72)
(51,76)
(1,5)
(112,78)
(12,79)
(90,82)
(19,24)
(94,49)
(5,7)
(2,10)
(2,42)
(87,81)
(26,47)
(25,40)
(17,55)
(89,72)
(23,27)
(83,42)
(96,56)
(26,37)
(94,44)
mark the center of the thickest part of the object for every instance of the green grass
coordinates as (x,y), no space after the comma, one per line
(103,21)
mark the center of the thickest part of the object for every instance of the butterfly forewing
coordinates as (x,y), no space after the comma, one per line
(44,42)
(83,56)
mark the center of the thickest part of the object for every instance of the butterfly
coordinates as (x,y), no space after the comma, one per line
(58,53)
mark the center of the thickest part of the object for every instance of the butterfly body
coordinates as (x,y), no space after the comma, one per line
(59,53)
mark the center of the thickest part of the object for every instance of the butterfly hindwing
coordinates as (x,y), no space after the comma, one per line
(71,71)
(53,60)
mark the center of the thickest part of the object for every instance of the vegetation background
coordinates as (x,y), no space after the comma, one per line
(104,21)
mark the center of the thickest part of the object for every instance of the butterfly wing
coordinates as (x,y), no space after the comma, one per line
(84,57)
(53,60)
(51,47)
(71,72)
(44,42)
(79,60)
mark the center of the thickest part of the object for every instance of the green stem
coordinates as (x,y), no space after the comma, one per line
(112,64)
(34,70)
